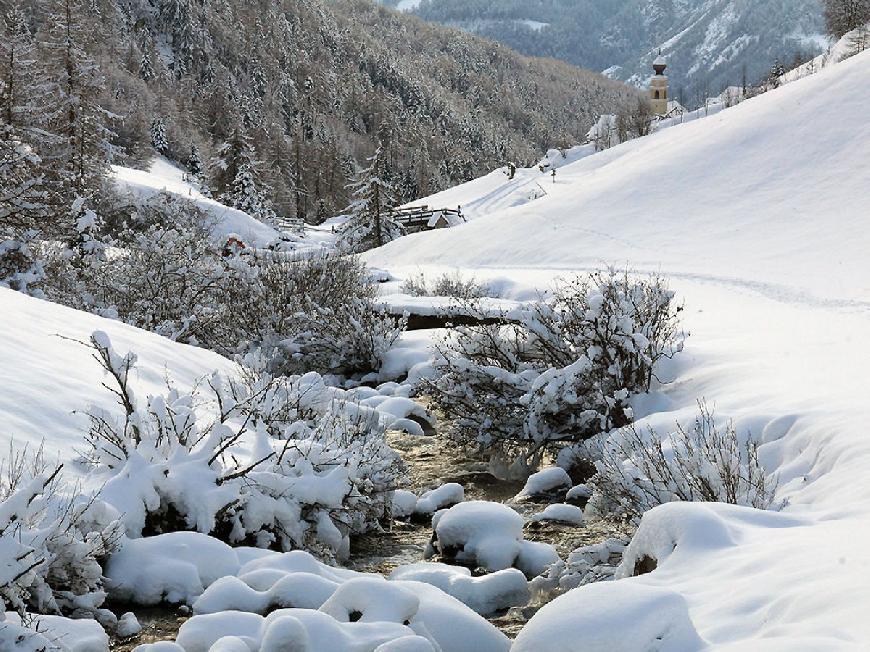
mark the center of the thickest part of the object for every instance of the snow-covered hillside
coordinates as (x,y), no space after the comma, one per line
(49,373)
(163,176)
(758,215)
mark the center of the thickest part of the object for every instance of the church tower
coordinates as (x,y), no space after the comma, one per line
(658,87)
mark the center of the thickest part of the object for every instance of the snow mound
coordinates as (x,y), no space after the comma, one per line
(404,503)
(560,513)
(174,567)
(611,617)
(486,595)
(546,483)
(51,633)
(307,601)
(441,497)
(488,535)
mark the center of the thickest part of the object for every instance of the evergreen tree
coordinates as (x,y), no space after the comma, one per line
(159,139)
(247,194)
(370,223)
(238,178)
(23,197)
(146,68)
(83,150)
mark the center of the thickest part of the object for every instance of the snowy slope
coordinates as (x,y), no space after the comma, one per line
(162,176)
(771,191)
(46,376)
(759,217)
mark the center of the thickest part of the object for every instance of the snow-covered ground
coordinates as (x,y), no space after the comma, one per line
(163,176)
(758,215)
(49,373)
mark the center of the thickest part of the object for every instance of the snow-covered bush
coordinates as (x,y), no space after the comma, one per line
(317,470)
(49,561)
(316,313)
(20,267)
(560,370)
(638,469)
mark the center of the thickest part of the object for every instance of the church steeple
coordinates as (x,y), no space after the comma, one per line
(658,86)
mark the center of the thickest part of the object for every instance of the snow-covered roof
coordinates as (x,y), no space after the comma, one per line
(660,61)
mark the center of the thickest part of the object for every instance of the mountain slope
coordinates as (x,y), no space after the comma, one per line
(758,217)
(300,93)
(708,42)
(692,194)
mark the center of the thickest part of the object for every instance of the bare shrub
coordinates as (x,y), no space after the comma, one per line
(638,470)
(449,284)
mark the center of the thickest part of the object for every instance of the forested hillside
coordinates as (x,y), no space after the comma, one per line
(709,43)
(274,104)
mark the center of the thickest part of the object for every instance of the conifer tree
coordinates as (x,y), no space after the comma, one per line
(370,223)
(146,68)
(80,157)
(23,197)
(238,179)
(159,139)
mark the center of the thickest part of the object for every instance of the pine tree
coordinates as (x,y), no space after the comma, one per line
(370,223)
(146,68)
(238,178)
(23,197)
(84,149)
(196,168)
(159,139)
(247,194)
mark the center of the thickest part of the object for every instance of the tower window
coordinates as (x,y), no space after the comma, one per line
(657,95)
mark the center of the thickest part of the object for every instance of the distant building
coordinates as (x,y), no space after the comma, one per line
(658,87)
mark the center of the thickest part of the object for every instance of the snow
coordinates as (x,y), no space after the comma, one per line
(578,493)
(128,625)
(163,176)
(446,495)
(307,601)
(646,619)
(404,503)
(174,567)
(487,594)
(561,513)
(48,377)
(489,535)
(552,480)
(65,634)
(757,215)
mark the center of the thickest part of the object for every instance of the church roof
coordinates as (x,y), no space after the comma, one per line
(660,61)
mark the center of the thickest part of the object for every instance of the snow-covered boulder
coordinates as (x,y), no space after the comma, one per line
(560,513)
(487,595)
(611,617)
(174,567)
(404,504)
(546,484)
(578,495)
(441,497)
(371,599)
(488,535)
